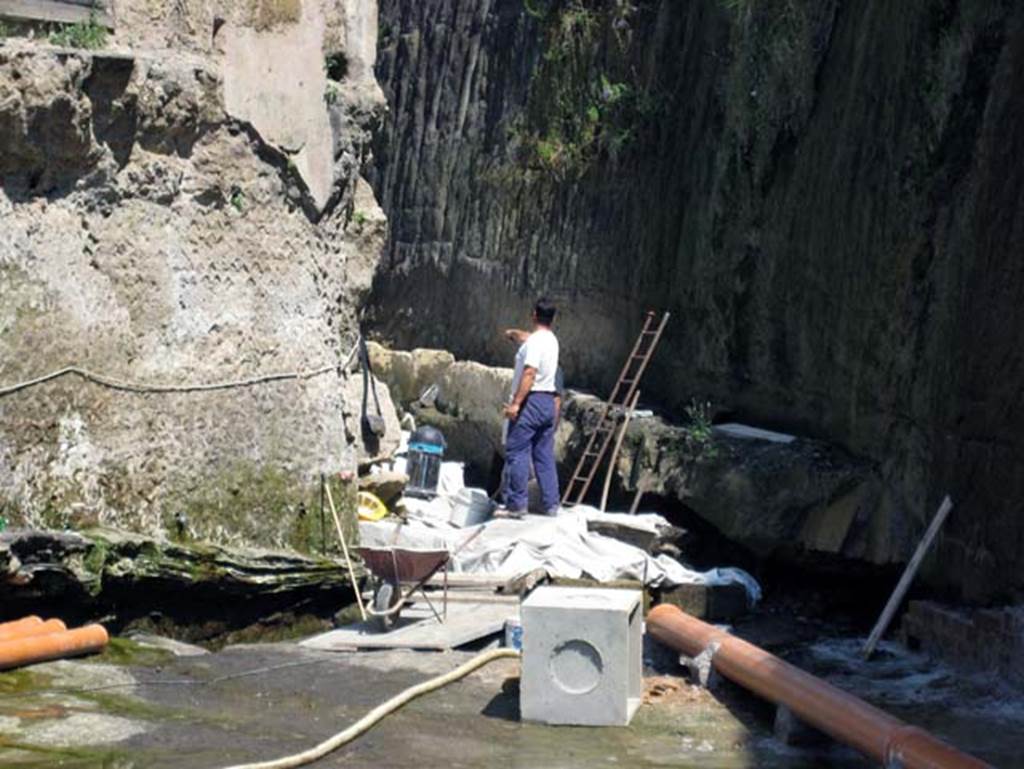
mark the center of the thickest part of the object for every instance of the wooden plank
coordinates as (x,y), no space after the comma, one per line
(419,629)
(54,11)
(908,576)
(469,579)
(615,451)
(471,596)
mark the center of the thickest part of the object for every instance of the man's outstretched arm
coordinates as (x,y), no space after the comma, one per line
(516,335)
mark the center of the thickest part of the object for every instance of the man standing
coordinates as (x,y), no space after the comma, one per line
(533,413)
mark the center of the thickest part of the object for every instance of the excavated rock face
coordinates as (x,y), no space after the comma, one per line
(827,196)
(799,501)
(159,229)
(466,405)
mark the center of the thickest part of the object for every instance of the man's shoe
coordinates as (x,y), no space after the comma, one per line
(554,511)
(504,512)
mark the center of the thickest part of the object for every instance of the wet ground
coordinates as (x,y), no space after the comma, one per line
(139,707)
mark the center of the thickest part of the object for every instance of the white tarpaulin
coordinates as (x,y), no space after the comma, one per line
(561,545)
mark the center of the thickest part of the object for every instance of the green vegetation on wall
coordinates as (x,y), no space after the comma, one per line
(89,34)
(699,439)
(253,503)
(586,101)
(268,14)
(776,47)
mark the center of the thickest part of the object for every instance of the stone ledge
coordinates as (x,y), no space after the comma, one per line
(108,571)
(986,640)
(715,603)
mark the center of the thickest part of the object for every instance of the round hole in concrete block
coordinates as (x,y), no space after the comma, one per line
(576,667)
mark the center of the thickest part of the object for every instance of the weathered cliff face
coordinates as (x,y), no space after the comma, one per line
(185,207)
(827,196)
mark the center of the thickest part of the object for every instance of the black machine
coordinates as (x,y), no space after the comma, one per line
(426,451)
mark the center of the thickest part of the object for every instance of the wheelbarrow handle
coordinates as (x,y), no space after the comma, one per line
(465,542)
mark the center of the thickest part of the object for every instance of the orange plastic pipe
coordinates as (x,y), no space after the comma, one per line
(68,643)
(15,627)
(19,630)
(839,714)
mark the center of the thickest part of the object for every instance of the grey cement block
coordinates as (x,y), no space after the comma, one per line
(582,656)
(708,602)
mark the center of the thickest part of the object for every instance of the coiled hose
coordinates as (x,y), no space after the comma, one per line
(365,723)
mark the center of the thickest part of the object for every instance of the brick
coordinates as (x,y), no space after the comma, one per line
(988,640)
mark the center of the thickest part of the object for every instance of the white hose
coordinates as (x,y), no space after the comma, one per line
(182,387)
(378,713)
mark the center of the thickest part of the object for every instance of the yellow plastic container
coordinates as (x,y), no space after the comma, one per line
(370,507)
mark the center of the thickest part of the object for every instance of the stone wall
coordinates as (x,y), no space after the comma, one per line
(985,640)
(826,195)
(160,229)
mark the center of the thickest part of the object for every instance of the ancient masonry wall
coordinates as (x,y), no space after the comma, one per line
(185,206)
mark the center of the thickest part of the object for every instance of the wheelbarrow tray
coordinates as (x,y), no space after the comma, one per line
(402,565)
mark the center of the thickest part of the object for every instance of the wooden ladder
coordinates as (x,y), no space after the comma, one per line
(621,397)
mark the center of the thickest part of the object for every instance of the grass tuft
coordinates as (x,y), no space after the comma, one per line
(89,34)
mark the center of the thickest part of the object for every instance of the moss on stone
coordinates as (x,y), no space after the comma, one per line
(247,503)
(268,14)
(67,758)
(96,559)
(124,651)
(21,681)
(287,628)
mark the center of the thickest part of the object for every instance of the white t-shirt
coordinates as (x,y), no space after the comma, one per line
(539,351)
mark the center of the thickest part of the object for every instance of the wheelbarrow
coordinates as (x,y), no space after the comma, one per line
(401,572)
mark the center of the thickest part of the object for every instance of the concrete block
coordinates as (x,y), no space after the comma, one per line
(708,602)
(582,656)
(613,584)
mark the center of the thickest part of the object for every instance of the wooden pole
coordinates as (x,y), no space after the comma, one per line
(636,501)
(617,449)
(323,520)
(908,576)
(344,548)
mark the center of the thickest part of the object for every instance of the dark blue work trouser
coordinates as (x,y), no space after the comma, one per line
(532,434)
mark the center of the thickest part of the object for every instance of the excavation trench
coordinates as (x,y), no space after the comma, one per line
(815,608)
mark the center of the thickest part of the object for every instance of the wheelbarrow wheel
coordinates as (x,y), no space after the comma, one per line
(386,597)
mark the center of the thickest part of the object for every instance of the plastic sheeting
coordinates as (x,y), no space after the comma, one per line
(562,545)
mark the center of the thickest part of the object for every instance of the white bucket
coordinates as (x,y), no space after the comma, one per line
(470,507)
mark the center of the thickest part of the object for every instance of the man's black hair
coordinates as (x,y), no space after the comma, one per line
(545,311)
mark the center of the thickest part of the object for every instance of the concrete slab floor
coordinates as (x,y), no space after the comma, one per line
(63,714)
